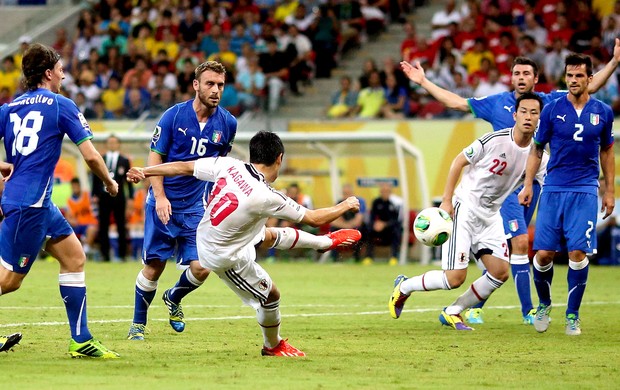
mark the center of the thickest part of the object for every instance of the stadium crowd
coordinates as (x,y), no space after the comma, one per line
(128,58)
(470,52)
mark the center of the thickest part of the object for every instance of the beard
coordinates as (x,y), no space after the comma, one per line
(204,99)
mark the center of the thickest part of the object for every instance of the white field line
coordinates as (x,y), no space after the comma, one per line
(228,318)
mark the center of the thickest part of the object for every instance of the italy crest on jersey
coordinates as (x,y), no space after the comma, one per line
(594,119)
(216,137)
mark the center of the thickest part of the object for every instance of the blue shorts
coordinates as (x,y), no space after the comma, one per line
(516,216)
(160,241)
(24,231)
(566,221)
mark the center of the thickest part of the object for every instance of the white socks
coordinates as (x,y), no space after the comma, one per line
(289,238)
(268,318)
(431,280)
(479,290)
(72,279)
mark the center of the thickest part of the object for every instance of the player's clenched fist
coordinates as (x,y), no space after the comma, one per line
(353,203)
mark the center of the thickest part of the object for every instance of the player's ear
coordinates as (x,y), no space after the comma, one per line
(195,84)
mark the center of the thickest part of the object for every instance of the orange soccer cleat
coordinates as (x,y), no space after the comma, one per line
(282,349)
(343,238)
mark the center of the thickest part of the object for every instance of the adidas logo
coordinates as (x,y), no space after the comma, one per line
(503,155)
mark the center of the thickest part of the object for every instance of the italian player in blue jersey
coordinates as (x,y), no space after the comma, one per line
(33,127)
(578,129)
(174,205)
(498,110)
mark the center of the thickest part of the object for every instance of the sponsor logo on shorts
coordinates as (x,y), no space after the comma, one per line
(263,285)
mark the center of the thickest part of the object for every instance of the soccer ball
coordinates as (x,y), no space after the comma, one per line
(432,226)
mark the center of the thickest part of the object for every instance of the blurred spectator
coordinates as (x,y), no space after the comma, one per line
(144,42)
(85,43)
(209,43)
(293,191)
(446,72)
(5,96)
(164,99)
(87,86)
(410,43)
(168,79)
(166,22)
(482,74)
(472,58)
(100,113)
(81,217)
(224,55)
(10,75)
(325,30)
(390,67)
(104,73)
(385,223)
(580,41)
(114,38)
(349,15)
(554,62)
(250,85)
(167,43)
(344,100)
(61,40)
(24,42)
(85,108)
(113,97)
(190,29)
(185,54)
(351,220)
(530,49)
(185,76)
(597,50)
(534,29)
(491,86)
(370,99)
(275,66)
(560,29)
(239,37)
(610,33)
(446,48)
(230,96)
(443,18)
(140,71)
(301,66)
(368,66)
(247,52)
(615,16)
(134,104)
(284,9)
(301,18)
(396,104)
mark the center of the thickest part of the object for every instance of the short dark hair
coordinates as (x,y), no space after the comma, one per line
(525,61)
(75,180)
(265,147)
(529,96)
(37,59)
(578,59)
(213,66)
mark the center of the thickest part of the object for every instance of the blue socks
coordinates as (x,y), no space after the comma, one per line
(577,278)
(73,294)
(543,276)
(145,292)
(186,284)
(520,267)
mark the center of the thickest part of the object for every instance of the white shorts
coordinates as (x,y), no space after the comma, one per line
(244,276)
(473,234)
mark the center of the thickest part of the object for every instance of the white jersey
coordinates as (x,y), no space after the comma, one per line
(497,169)
(239,205)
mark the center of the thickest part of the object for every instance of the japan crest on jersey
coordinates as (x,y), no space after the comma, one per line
(594,119)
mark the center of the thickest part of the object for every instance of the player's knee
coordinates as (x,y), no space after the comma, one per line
(520,244)
(199,271)
(544,257)
(456,278)
(10,284)
(274,295)
(153,270)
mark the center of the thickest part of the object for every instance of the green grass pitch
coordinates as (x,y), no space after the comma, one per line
(336,313)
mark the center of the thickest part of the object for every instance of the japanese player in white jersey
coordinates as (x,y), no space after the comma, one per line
(234,222)
(493,166)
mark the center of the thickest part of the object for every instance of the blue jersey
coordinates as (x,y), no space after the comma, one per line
(574,143)
(498,109)
(177,137)
(33,127)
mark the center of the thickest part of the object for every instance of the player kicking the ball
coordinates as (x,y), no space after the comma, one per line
(234,223)
(494,166)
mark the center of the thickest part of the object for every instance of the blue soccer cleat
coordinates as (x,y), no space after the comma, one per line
(474,315)
(529,318)
(136,332)
(455,321)
(175,312)
(398,299)
(541,319)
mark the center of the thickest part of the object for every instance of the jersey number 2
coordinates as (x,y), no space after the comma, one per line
(225,206)
(25,132)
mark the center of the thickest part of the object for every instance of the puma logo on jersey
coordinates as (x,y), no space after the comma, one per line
(503,155)
(563,117)
(507,108)
(184,131)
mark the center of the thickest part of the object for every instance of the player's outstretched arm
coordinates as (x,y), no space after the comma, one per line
(97,166)
(456,168)
(601,77)
(177,168)
(325,215)
(449,99)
